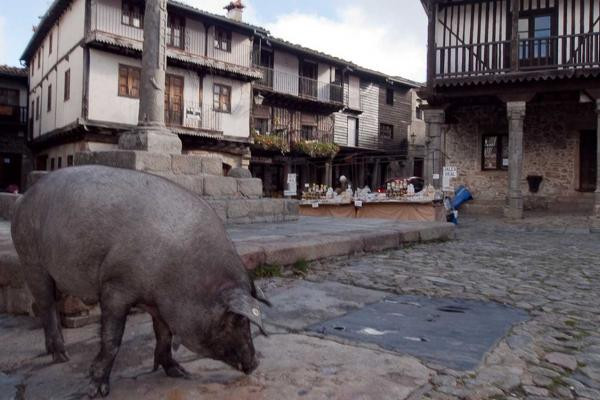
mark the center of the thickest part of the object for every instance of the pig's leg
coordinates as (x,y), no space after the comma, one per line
(115,306)
(162,353)
(42,288)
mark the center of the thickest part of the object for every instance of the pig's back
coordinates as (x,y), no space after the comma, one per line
(89,224)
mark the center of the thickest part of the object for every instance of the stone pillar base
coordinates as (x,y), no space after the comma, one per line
(151,139)
(514,208)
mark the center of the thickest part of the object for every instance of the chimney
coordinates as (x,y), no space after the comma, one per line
(235,9)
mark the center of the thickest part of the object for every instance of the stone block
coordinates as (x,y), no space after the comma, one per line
(7,204)
(242,173)
(193,183)
(10,270)
(219,187)
(16,301)
(252,255)
(212,166)
(408,235)
(35,176)
(250,188)
(382,240)
(312,248)
(438,232)
(186,164)
(292,207)
(70,305)
(238,209)
(126,159)
(220,207)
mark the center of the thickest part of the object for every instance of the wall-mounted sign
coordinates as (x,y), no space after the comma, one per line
(292,186)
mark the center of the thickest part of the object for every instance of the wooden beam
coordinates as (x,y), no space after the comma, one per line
(514,48)
(431,47)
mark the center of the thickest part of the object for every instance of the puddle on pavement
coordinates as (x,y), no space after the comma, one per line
(451,332)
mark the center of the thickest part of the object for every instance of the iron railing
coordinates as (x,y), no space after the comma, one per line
(556,52)
(300,86)
(13,115)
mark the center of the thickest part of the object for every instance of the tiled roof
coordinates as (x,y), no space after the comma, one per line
(7,70)
(58,6)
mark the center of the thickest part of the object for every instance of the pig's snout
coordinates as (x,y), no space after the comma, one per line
(249,367)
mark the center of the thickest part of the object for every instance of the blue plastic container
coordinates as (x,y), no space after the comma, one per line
(461,196)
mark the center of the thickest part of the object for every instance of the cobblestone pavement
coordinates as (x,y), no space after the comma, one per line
(555,276)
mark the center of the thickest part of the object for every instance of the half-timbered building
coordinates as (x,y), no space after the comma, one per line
(513,88)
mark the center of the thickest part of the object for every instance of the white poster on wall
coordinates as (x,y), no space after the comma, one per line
(449,174)
(292,186)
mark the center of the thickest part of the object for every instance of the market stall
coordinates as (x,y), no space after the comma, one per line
(398,202)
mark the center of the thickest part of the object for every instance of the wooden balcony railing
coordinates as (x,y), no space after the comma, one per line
(13,115)
(556,52)
(300,86)
(194,116)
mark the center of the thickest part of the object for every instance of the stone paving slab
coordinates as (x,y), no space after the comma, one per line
(291,367)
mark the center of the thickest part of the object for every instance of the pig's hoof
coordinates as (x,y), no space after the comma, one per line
(60,357)
(176,371)
(98,389)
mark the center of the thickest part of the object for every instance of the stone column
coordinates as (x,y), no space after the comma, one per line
(514,198)
(328,178)
(151,134)
(434,163)
(596,216)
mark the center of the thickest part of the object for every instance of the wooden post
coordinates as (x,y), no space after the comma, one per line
(514,46)
(431,14)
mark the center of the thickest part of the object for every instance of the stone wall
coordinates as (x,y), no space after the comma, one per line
(550,149)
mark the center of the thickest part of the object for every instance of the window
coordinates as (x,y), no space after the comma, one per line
(419,113)
(49,104)
(222,40)
(69,161)
(32,109)
(50,43)
(52,164)
(386,131)
(37,108)
(176,31)
(129,81)
(535,34)
(9,97)
(222,98)
(308,132)
(389,96)
(494,152)
(39,59)
(261,126)
(132,14)
(59,163)
(67,84)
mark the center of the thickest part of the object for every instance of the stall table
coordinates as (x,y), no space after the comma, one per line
(391,209)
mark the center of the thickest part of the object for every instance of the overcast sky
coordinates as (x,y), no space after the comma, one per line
(385,35)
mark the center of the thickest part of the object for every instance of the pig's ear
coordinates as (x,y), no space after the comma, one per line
(258,294)
(241,303)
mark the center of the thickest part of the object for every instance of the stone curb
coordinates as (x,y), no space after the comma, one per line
(291,249)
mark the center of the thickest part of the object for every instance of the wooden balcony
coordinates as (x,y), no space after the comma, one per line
(300,86)
(193,116)
(556,55)
(14,116)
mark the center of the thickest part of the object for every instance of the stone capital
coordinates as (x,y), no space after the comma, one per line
(516,110)
(434,116)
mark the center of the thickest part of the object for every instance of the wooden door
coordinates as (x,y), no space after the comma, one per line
(588,161)
(352,132)
(174,100)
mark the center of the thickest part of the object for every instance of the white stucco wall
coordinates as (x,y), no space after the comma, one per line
(236,123)
(286,67)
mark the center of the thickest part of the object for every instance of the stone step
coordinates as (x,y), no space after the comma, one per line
(247,211)
(178,164)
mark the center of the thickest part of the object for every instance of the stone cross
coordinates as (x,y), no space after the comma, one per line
(151,134)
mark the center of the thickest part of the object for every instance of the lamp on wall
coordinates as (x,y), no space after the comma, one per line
(259,99)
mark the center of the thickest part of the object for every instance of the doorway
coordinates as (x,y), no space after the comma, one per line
(588,161)
(174,100)
(10,171)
